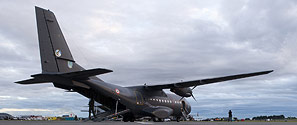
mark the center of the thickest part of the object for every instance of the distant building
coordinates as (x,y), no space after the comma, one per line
(5,116)
(31,117)
(65,116)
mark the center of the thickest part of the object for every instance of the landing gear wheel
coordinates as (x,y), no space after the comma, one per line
(177,119)
(129,117)
(132,119)
(125,119)
(160,120)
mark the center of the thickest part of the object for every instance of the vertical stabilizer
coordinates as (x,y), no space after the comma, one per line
(54,52)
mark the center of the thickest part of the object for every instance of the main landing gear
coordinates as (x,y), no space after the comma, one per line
(129,117)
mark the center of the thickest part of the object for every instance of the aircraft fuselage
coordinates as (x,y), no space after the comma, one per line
(136,98)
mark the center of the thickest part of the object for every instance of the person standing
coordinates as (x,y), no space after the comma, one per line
(230,116)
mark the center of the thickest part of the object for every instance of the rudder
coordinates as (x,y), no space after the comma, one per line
(54,52)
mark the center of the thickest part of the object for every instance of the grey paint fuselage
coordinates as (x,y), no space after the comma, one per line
(128,97)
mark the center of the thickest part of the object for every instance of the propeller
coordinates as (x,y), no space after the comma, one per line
(193,97)
(194,87)
(192,92)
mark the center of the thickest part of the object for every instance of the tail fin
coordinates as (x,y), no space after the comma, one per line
(54,52)
(58,65)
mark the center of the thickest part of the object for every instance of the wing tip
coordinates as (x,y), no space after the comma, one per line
(269,71)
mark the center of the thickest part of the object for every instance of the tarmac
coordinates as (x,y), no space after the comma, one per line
(138,123)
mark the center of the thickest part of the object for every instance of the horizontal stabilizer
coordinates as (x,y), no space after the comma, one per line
(32,81)
(85,73)
(51,77)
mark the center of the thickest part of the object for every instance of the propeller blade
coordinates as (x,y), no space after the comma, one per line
(193,97)
(181,98)
(194,87)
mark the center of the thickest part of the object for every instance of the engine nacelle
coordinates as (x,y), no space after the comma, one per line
(183,92)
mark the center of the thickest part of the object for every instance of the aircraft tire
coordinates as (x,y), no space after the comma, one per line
(177,119)
(160,120)
(132,119)
(125,119)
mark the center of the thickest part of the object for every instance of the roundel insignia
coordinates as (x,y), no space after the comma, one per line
(117,91)
(58,53)
(70,64)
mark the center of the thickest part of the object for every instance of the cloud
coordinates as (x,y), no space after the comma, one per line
(23,110)
(158,42)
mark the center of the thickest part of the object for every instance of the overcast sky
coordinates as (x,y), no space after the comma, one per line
(158,42)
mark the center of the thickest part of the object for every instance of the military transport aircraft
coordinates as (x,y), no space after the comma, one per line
(59,68)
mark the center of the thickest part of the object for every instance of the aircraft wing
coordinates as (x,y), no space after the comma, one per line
(206,81)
